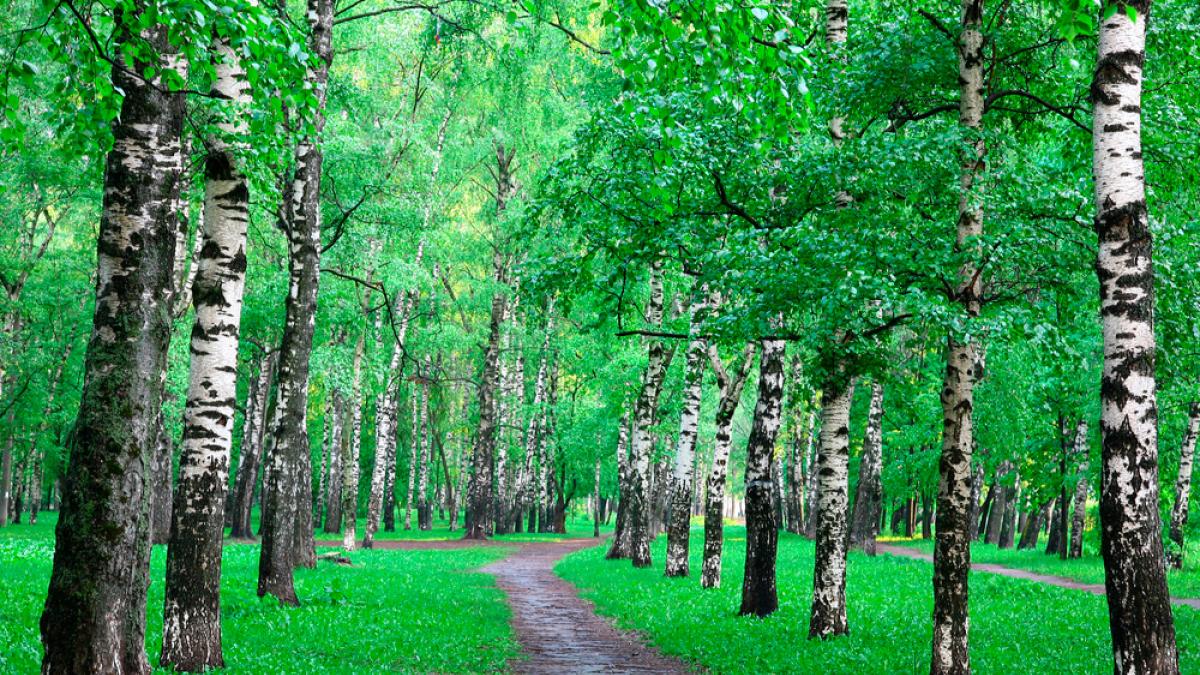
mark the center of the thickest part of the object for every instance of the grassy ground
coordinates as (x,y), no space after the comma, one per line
(392,611)
(1016,626)
(1089,569)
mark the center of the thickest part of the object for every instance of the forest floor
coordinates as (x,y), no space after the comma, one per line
(1017,625)
(1018,573)
(1086,573)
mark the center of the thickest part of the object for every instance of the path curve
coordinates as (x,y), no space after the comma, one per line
(1049,579)
(559,631)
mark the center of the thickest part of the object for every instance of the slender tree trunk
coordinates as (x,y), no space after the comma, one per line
(833,487)
(976,494)
(287,523)
(868,498)
(964,365)
(597,503)
(252,448)
(333,498)
(1008,523)
(730,386)
(1183,487)
(414,456)
(1081,491)
(1139,609)
(758,585)
(999,506)
(620,540)
(424,515)
(680,522)
(350,453)
(644,410)
(192,607)
(95,611)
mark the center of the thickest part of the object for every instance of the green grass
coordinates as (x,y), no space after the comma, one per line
(391,611)
(1016,626)
(1089,569)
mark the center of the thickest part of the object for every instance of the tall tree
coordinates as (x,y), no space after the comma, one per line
(762,537)
(192,605)
(1139,608)
(730,386)
(964,364)
(679,524)
(287,518)
(95,610)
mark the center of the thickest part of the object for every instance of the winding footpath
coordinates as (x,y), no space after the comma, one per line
(1051,580)
(559,631)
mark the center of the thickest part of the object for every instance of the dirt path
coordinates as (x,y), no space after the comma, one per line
(1061,582)
(558,630)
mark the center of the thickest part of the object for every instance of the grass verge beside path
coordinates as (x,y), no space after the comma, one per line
(1089,569)
(410,611)
(1016,626)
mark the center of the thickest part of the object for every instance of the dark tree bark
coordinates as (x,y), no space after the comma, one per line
(480,488)
(287,531)
(762,538)
(95,611)
(658,361)
(1183,487)
(252,446)
(730,387)
(161,486)
(868,497)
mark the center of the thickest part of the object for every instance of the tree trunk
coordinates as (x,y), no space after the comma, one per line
(644,410)
(868,498)
(730,386)
(680,521)
(252,447)
(999,506)
(351,452)
(828,616)
(480,487)
(1143,630)
(333,496)
(762,538)
(414,456)
(976,493)
(424,513)
(192,608)
(287,523)
(161,485)
(964,365)
(1008,524)
(1183,487)
(95,611)
(619,549)
(597,503)
(1081,491)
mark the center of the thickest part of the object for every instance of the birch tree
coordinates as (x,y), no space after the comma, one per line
(730,386)
(96,605)
(680,523)
(1143,630)
(192,612)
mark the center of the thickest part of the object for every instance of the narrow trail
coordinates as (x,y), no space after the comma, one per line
(1051,580)
(559,631)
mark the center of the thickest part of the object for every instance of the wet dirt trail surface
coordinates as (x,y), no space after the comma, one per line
(559,631)
(1061,582)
